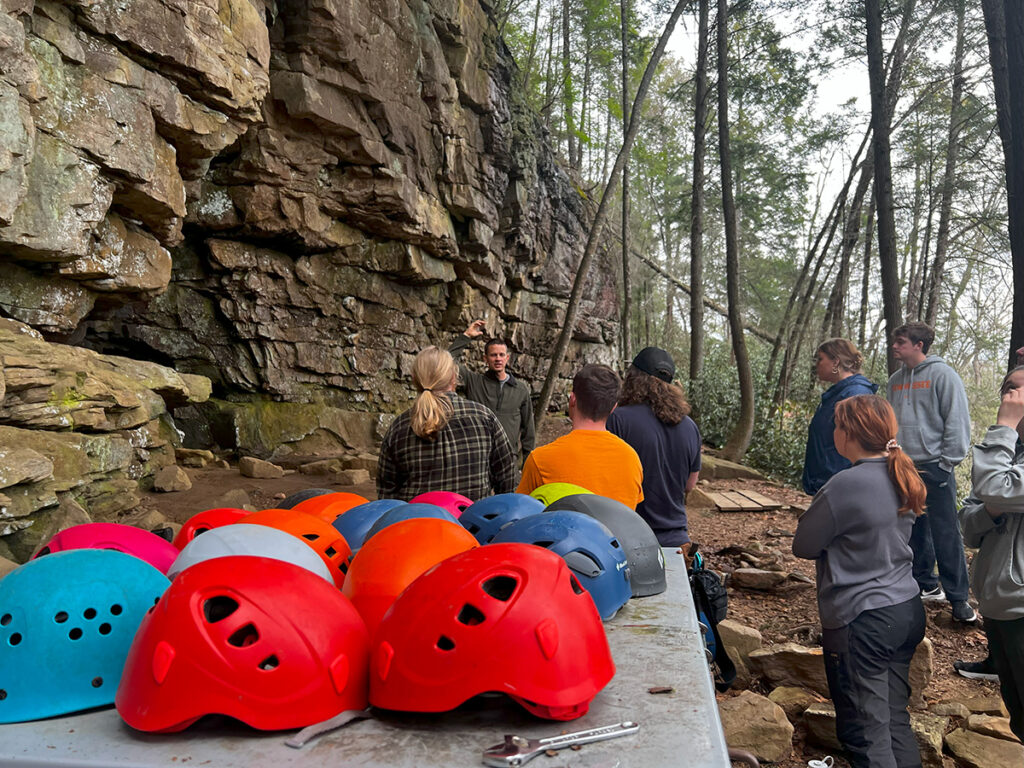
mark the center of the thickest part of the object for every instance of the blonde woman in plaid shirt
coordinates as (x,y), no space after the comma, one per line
(444,442)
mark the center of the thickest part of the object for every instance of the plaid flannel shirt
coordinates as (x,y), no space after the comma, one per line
(471,455)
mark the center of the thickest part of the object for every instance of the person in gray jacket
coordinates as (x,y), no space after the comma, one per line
(857,529)
(935,432)
(993,521)
(507,396)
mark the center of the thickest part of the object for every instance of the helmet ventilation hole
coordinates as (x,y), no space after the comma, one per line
(471,615)
(115,610)
(75,633)
(474,529)
(343,567)
(490,515)
(15,639)
(97,682)
(60,617)
(575,585)
(330,551)
(615,543)
(5,619)
(269,663)
(500,587)
(445,643)
(105,629)
(90,613)
(219,608)
(245,636)
(545,544)
(3,694)
(199,531)
(43,551)
(311,536)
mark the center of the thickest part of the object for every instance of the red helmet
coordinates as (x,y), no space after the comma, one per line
(453,502)
(328,506)
(201,522)
(504,617)
(144,545)
(328,543)
(391,561)
(260,640)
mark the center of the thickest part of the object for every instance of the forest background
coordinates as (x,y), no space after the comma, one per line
(803,170)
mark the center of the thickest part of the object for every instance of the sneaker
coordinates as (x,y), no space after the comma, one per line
(935,593)
(964,613)
(977,670)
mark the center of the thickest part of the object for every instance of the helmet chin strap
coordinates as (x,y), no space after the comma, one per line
(310,732)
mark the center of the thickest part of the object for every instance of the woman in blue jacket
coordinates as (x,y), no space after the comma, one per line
(838,362)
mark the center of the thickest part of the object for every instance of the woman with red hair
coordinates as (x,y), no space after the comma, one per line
(857,530)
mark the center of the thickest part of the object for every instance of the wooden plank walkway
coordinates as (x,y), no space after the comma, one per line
(743,501)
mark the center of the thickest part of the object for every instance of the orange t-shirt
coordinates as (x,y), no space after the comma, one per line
(594,459)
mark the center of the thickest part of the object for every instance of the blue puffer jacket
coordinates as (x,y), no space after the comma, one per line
(822,460)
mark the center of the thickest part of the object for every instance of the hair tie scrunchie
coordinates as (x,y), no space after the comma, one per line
(892,445)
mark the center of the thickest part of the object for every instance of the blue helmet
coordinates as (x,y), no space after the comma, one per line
(354,524)
(488,516)
(588,548)
(66,623)
(407,512)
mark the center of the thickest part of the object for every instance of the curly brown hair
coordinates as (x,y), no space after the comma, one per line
(666,400)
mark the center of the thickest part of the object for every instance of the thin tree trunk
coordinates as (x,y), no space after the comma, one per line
(528,69)
(865,285)
(949,175)
(567,89)
(572,308)
(627,304)
(851,234)
(883,178)
(700,127)
(738,442)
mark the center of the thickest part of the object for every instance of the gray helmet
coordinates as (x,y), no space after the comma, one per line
(298,497)
(643,552)
(254,540)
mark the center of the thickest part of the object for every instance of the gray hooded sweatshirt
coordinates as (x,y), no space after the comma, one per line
(997,571)
(931,410)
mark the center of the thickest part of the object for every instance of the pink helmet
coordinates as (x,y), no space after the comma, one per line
(144,545)
(453,502)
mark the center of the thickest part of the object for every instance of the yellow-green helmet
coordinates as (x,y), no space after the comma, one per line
(552,492)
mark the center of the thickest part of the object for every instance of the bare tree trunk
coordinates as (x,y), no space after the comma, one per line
(1004,23)
(572,308)
(865,285)
(567,89)
(883,178)
(528,69)
(738,442)
(913,276)
(949,175)
(627,303)
(700,127)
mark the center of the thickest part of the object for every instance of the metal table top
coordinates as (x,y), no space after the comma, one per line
(655,642)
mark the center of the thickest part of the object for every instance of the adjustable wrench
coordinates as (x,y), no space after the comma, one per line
(517,750)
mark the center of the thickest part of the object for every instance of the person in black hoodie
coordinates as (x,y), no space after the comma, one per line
(837,362)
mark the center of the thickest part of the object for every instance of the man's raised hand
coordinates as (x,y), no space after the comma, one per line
(475,329)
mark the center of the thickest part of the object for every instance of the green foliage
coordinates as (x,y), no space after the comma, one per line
(778,445)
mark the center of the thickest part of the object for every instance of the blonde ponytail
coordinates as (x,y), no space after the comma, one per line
(433,373)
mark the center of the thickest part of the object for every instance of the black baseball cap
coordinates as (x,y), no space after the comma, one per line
(655,362)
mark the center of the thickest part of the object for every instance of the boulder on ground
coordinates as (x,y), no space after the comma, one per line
(820,720)
(973,750)
(196,458)
(794,701)
(171,479)
(928,730)
(739,640)
(714,468)
(996,727)
(791,664)
(236,498)
(921,672)
(949,709)
(755,578)
(250,466)
(755,723)
(353,477)
(321,467)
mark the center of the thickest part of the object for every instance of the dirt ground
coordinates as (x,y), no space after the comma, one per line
(789,615)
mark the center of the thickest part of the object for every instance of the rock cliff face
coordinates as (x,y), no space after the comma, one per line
(289,198)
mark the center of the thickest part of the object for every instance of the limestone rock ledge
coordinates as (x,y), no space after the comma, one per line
(79,426)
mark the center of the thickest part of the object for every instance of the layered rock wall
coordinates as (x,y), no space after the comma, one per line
(287,197)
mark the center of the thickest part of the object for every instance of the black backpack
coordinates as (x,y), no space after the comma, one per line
(711,600)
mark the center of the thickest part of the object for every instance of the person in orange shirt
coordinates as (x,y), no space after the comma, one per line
(590,456)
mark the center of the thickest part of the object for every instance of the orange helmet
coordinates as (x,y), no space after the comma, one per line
(394,558)
(330,505)
(328,543)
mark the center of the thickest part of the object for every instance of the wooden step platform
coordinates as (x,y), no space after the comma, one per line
(743,501)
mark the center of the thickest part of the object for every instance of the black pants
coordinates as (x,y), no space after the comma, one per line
(867,664)
(1006,645)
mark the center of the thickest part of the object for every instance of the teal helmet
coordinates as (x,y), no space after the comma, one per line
(66,623)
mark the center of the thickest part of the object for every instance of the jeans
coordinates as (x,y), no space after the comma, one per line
(1006,644)
(867,664)
(936,538)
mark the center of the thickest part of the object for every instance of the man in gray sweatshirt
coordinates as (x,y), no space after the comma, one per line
(935,431)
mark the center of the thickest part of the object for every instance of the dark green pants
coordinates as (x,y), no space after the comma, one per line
(1006,644)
